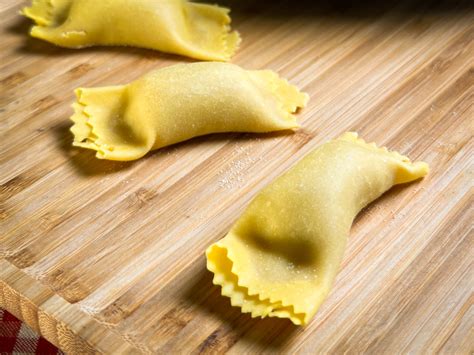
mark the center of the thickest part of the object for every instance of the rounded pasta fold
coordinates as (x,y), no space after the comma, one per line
(179,102)
(281,257)
(174,26)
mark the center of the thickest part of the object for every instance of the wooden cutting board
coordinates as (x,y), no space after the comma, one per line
(109,257)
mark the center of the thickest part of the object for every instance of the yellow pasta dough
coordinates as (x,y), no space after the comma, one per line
(175,26)
(281,257)
(179,102)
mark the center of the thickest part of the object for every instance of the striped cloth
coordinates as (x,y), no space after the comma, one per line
(17,338)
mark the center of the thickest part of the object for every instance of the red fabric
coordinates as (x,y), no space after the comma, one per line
(17,338)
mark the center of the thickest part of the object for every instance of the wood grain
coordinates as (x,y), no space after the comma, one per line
(108,257)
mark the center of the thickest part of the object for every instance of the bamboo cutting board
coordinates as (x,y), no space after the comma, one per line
(109,257)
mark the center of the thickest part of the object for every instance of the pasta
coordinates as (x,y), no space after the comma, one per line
(281,257)
(175,26)
(179,102)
